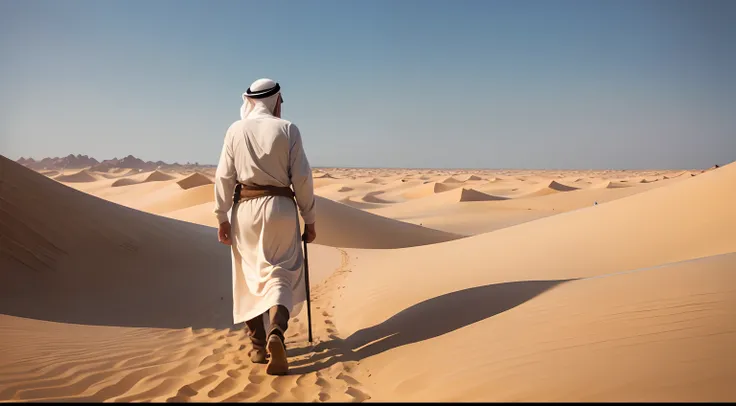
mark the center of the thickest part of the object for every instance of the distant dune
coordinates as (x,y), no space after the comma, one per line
(81,176)
(451,179)
(554,185)
(194,180)
(376,181)
(343,226)
(428,189)
(155,176)
(472,195)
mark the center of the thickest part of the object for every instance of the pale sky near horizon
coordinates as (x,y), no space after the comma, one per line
(574,84)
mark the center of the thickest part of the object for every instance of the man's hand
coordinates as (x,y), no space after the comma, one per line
(223,233)
(309,233)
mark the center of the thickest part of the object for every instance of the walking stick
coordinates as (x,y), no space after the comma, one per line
(306,280)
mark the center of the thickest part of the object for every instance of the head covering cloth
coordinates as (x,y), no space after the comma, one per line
(262,94)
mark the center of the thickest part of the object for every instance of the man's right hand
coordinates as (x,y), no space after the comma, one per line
(309,233)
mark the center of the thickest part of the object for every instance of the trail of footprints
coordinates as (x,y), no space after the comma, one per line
(192,366)
(228,375)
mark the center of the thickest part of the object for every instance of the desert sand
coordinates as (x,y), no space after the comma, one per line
(427,285)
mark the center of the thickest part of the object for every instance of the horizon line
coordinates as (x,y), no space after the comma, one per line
(391,167)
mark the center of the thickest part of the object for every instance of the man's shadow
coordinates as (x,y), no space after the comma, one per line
(423,321)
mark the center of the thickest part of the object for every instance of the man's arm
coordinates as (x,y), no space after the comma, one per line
(301,176)
(225,179)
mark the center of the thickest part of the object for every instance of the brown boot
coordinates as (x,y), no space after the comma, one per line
(258,352)
(279,363)
(257,335)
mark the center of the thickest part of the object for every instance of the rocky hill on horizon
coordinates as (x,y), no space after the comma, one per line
(79,161)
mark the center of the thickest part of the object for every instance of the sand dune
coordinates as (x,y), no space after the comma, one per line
(324,175)
(669,338)
(544,188)
(346,227)
(81,176)
(169,199)
(512,265)
(337,190)
(59,244)
(155,176)
(194,180)
(468,177)
(428,189)
(472,195)
(557,299)
(554,185)
(612,185)
(451,179)
(101,302)
(118,173)
(49,173)
(453,195)
(580,243)
(371,197)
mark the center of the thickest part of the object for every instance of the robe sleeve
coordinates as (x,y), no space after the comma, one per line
(225,180)
(300,174)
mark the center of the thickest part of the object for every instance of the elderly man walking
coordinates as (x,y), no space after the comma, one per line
(262,157)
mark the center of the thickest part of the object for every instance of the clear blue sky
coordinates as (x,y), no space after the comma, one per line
(401,83)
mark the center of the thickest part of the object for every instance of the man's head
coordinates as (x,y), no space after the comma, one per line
(265,92)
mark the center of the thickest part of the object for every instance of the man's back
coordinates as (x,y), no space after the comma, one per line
(265,150)
(261,147)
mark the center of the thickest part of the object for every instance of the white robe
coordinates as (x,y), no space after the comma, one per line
(266,239)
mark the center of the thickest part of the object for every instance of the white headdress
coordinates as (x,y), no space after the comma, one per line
(263,93)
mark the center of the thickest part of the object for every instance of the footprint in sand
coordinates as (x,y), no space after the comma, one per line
(357,394)
(227,385)
(234,373)
(222,349)
(322,383)
(255,378)
(193,389)
(213,369)
(248,392)
(347,378)
(212,359)
(282,384)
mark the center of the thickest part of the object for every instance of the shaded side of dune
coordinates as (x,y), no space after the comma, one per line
(194,180)
(70,257)
(340,225)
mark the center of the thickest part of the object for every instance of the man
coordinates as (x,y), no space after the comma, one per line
(263,156)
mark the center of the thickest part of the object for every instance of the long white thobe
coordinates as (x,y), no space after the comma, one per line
(266,239)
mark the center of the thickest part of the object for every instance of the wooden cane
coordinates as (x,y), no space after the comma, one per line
(306,280)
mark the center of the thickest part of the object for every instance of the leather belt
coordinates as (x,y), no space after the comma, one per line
(249,192)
